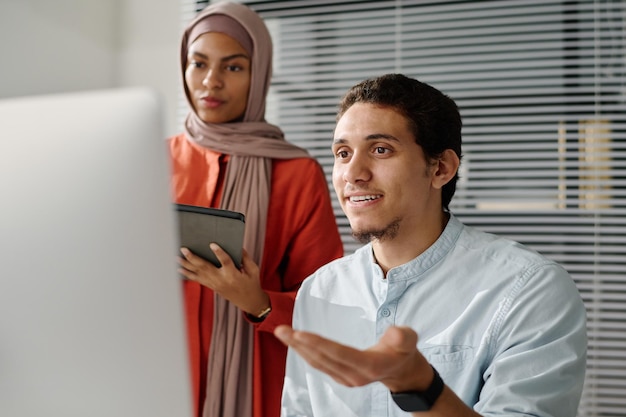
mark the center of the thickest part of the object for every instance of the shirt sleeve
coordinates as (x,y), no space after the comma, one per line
(539,354)
(296,400)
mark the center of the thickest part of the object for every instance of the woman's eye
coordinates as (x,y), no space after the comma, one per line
(196,64)
(234,68)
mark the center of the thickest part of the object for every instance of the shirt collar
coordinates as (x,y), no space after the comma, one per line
(427,259)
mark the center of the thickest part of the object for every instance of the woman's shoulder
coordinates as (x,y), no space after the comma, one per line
(305,171)
(177,137)
(182,148)
(177,142)
(297,165)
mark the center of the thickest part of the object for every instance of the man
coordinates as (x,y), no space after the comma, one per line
(501,328)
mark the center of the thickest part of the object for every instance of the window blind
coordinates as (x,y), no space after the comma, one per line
(541,88)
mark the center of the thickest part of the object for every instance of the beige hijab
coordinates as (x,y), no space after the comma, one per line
(252,143)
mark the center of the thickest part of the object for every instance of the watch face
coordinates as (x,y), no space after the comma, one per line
(411,401)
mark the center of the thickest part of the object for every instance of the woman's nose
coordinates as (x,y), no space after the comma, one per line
(212,79)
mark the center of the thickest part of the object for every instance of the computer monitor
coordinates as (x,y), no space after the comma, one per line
(91,316)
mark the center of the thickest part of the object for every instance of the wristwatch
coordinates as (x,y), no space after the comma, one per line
(420,400)
(264,313)
(261,316)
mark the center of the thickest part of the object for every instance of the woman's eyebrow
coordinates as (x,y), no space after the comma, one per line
(229,57)
(199,54)
(226,58)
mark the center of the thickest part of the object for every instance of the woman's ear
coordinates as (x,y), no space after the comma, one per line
(446,168)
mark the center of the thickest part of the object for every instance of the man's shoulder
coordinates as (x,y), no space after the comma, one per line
(502,249)
(358,259)
(345,267)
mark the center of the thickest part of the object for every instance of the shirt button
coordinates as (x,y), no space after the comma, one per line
(385,312)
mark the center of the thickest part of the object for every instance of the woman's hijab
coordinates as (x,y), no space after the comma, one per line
(252,144)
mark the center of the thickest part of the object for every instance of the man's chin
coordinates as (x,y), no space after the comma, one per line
(361,236)
(366,235)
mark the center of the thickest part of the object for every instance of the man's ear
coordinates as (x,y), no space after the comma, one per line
(445,168)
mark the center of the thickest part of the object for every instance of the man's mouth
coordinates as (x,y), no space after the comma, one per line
(362,198)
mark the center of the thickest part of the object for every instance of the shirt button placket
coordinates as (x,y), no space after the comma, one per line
(380,396)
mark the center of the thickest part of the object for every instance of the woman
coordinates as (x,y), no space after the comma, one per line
(230,157)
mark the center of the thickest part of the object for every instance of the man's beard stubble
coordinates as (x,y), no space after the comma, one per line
(386,233)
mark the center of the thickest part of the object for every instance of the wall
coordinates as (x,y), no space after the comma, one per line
(148,50)
(54,46)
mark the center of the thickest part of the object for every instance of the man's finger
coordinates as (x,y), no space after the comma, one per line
(400,339)
(338,361)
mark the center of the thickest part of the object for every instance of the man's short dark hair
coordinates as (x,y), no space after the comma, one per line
(433,117)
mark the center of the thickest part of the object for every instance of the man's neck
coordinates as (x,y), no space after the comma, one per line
(409,243)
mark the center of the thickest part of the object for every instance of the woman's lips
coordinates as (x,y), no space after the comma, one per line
(210,102)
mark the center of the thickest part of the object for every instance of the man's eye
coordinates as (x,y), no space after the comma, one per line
(342,154)
(380,150)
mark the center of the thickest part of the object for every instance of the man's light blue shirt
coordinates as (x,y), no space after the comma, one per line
(504,327)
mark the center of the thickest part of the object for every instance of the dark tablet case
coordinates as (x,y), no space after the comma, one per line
(199,226)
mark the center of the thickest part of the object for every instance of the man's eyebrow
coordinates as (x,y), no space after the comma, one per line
(373,136)
(376,136)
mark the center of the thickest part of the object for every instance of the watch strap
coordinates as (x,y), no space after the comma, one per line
(420,400)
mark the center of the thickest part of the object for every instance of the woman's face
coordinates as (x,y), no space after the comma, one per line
(218,77)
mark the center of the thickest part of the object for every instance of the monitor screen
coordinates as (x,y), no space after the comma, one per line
(91,319)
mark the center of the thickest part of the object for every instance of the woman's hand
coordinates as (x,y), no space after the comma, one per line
(241,287)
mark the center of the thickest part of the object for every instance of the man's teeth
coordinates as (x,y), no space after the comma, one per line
(358,198)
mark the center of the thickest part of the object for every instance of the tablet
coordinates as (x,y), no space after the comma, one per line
(199,226)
